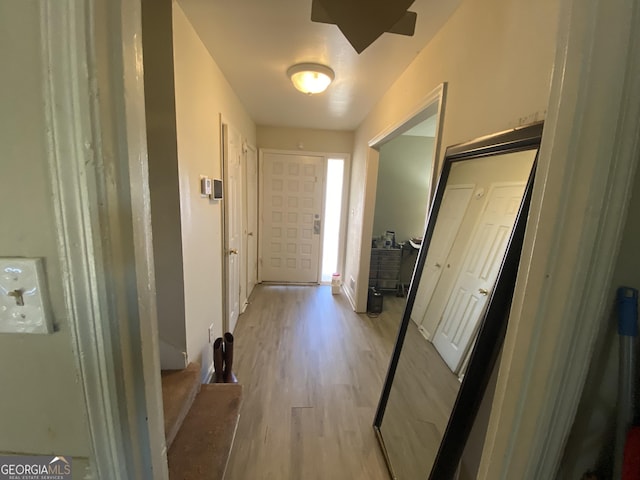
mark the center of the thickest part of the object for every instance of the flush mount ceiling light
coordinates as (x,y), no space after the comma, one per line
(310,78)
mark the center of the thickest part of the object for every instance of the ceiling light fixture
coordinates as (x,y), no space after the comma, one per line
(310,78)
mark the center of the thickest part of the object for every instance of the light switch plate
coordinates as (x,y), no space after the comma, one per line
(24,300)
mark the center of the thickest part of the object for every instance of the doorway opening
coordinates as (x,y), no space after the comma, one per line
(332,215)
(402,197)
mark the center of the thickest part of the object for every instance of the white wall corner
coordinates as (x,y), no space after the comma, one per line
(172,358)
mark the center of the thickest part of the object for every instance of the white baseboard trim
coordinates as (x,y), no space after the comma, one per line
(349,295)
(206,378)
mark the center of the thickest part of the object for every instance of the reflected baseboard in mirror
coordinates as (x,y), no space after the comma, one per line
(457,306)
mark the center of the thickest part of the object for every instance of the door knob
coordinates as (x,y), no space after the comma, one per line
(233,251)
(483,291)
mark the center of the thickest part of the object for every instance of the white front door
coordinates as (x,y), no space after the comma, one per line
(292,210)
(478,274)
(232,221)
(452,209)
(252,219)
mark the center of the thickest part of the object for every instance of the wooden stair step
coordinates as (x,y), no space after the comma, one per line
(201,448)
(179,389)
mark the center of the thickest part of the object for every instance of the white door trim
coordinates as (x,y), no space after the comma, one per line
(260,210)
(226,212)
(589,153)
(437,96)
(254,233)
(223,245)
(92,54)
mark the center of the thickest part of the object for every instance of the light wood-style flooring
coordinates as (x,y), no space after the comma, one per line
(312,371)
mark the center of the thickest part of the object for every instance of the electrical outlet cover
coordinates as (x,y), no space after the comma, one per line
(24,302)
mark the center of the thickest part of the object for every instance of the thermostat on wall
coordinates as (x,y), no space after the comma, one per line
(210,187)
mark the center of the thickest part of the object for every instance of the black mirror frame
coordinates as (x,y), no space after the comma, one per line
(494,322)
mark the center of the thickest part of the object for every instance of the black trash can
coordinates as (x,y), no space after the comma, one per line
(374,301)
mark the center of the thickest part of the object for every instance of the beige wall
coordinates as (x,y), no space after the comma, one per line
(496,57)
(163,180)
(310,140)
(403,185)
(202,94)
(41,404)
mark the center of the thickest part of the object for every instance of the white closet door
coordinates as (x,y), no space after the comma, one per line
(452,209)
(478,275)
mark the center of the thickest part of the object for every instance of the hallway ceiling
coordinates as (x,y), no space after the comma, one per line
(255,41)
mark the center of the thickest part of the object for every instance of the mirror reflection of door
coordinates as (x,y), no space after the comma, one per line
(471,231)
(471,291)
(452,311)
(452,210)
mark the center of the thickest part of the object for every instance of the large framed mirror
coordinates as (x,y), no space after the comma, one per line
(458,303)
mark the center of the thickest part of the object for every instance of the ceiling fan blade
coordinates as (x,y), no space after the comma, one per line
(363,21)
(319,14)
(405,26)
